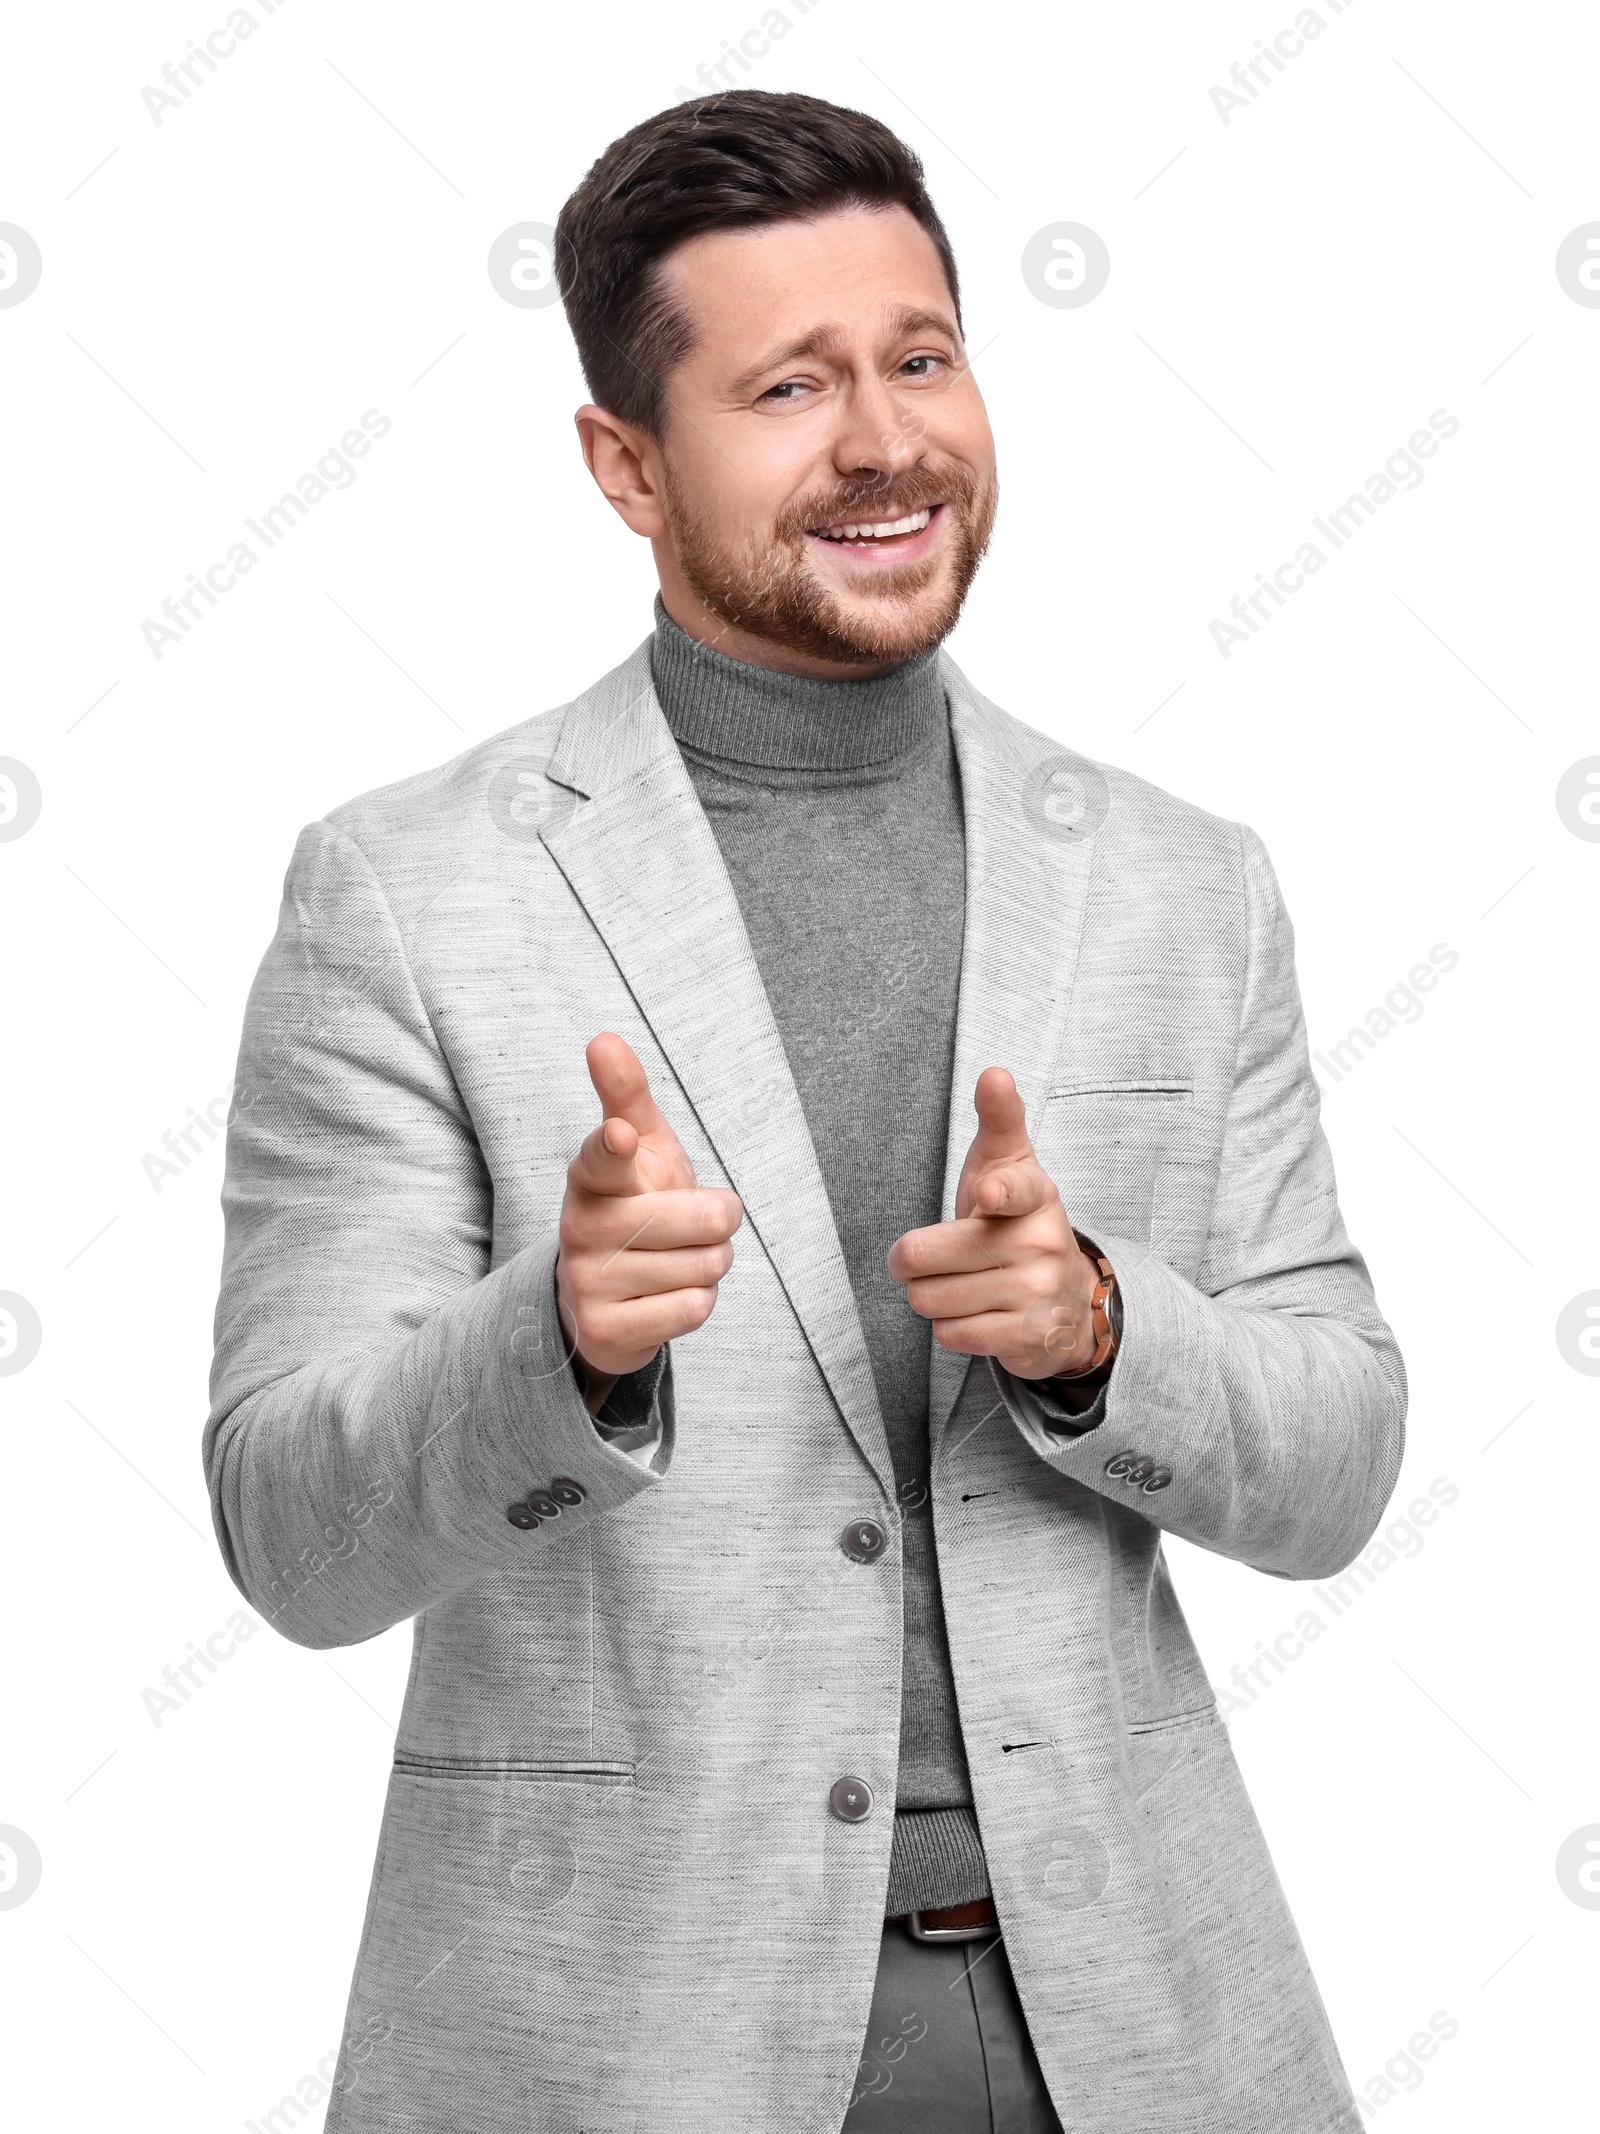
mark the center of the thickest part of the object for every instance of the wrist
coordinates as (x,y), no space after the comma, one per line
(595,1386)
(1076,1397)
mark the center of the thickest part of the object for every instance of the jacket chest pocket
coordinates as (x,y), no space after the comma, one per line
(1103,1139)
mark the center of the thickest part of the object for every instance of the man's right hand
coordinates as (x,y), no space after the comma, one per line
(642,1246)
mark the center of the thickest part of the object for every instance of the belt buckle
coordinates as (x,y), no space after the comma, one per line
(920,1931)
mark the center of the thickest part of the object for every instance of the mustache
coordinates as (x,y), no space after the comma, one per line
(888,494)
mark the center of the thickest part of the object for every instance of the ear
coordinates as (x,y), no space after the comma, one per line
(627,468)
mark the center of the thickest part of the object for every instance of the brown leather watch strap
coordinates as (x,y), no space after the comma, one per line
(1102,1311)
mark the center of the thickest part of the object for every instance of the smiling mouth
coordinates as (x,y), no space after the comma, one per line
(876,533)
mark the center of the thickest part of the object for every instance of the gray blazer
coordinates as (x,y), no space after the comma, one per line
(609,1893)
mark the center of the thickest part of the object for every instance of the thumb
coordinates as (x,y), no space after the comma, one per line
(622,1085)
(989,1183)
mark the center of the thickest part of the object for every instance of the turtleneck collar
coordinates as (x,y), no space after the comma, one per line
(734,712)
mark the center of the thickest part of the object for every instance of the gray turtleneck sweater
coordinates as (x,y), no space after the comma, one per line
(837,809)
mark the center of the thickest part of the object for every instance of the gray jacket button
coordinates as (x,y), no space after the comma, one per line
(522,1515)
(865,1540)
(850,1799)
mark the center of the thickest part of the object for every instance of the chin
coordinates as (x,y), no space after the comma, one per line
(889,629)
(896,637)
(893,620)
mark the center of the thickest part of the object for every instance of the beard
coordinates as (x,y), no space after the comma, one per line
(772,589)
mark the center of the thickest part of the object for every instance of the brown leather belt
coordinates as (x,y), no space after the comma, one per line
(955,1922)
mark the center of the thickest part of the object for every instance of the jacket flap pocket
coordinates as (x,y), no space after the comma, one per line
(1156,1067)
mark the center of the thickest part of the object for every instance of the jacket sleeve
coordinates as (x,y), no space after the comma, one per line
(1258,1411)
(380,1397)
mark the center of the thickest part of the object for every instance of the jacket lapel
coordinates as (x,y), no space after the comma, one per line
(1031,808)
(643,860)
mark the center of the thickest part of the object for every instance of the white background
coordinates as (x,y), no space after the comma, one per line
(1292,294)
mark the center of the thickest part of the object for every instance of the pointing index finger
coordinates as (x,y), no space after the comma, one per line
(1011,1189)
(606,1161)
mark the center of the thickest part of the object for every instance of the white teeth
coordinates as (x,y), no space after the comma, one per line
(913,524)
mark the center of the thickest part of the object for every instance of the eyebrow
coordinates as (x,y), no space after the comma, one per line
(904,319)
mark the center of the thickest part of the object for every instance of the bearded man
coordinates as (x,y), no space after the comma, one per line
(757,1198)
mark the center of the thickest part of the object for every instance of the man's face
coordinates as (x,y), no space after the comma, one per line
(827,460)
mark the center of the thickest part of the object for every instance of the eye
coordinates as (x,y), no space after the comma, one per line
(924,366)
(785,394)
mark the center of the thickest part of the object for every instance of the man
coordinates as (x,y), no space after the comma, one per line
(802,1729)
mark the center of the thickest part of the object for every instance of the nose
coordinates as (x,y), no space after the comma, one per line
(878,435)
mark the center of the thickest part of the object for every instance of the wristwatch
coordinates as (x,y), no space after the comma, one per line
(1105,1307)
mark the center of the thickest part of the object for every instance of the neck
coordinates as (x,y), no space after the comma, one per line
(742,712)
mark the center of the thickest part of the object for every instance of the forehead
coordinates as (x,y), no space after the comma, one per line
(855,273)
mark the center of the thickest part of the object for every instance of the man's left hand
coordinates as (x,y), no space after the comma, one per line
(1008,1277)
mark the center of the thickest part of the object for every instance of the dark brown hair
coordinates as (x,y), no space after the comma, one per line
(714,163)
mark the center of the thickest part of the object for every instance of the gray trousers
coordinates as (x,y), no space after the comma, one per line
(947,2049)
